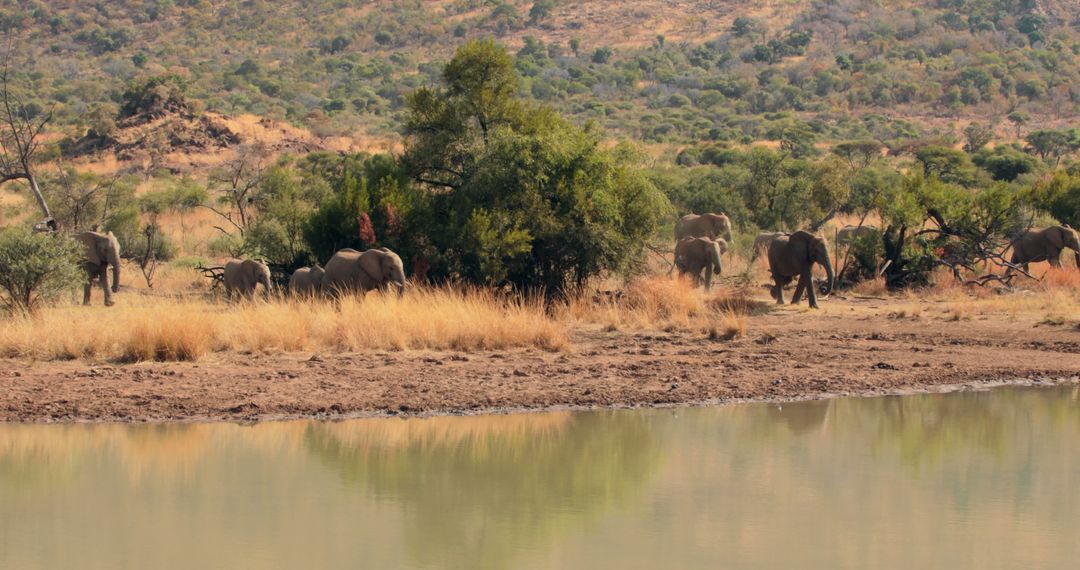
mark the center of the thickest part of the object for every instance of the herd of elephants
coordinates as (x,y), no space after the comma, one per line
(701,241)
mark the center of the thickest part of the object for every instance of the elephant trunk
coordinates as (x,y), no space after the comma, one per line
(398,278)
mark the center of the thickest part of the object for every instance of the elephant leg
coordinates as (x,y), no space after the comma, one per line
(799,288)
(86,290)
(103,278)
(708,278)
(1055,262)
(810,293)
(778,290)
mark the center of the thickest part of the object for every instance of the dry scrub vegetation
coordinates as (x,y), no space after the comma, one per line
(142,327)
(145,327)
(149,328)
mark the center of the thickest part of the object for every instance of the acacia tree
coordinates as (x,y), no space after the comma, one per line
(21,125)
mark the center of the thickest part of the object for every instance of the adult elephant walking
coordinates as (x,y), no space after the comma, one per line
(242,276)
(709,226)
(793,256)
(102,251)
(307,282)
(1044,245)
(362,271)
(692,255)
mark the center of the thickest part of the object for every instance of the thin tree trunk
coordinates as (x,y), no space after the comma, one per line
(38,195)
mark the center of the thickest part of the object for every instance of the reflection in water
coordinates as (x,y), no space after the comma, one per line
(501,485)
(971,480)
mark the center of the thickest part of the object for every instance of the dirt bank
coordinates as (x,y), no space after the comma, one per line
(852,347)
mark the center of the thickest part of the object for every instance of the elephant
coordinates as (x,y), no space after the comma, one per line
(102,251)
(242,276)
(307,281)
(1044,245)
(793,256)
(362,271)
(761,243)
(694,254)
(848,234)
(710,226)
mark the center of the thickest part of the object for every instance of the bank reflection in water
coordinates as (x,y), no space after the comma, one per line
(984,479)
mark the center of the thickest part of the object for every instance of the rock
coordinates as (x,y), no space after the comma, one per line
(315,358)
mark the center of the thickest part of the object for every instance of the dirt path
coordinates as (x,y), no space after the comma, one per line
(787,354)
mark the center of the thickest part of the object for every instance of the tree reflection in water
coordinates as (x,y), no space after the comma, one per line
(479,491)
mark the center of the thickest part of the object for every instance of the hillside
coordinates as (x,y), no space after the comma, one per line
(663,71)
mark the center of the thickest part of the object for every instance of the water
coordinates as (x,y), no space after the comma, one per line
(969,480)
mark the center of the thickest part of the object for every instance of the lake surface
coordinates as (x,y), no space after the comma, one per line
(966,480)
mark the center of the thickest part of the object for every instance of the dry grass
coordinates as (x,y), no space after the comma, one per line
(144,328)
(668,304)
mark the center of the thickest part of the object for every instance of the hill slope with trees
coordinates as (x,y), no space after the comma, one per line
(658,71)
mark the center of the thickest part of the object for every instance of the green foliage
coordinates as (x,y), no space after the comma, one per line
(521,197)
(976,137)
(36,269)
(710,189)
(160,244)
(864,258)
(352,69)
(1049,143)
(1006,162)
(151,96)
(1060,197)
(284,201)
(81,200)
(950,165)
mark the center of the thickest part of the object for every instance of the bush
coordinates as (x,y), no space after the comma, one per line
(863,258)
(1006,162)
(36,269)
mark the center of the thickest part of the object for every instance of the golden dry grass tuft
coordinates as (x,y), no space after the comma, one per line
(668,304)
(147,328)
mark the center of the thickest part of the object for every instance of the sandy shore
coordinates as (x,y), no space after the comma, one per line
(855,347)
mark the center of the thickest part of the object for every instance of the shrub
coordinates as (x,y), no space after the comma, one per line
(36,269)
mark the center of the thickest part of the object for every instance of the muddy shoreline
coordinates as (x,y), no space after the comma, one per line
(789,354)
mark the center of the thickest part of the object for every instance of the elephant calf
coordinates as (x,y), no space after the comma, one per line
(102,251)
(307,282)
(242,276)
(362,271)
(1044,245)
(793,256)
(692,255)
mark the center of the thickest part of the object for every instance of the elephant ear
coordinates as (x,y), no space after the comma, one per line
(801,246)
(1056,236)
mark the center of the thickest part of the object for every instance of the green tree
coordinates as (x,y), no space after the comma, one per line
(520,196)
(1019,119)
(948,164)
(36,269)
(1048,143)
(1006,162)
(1060,197)
(977,136)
